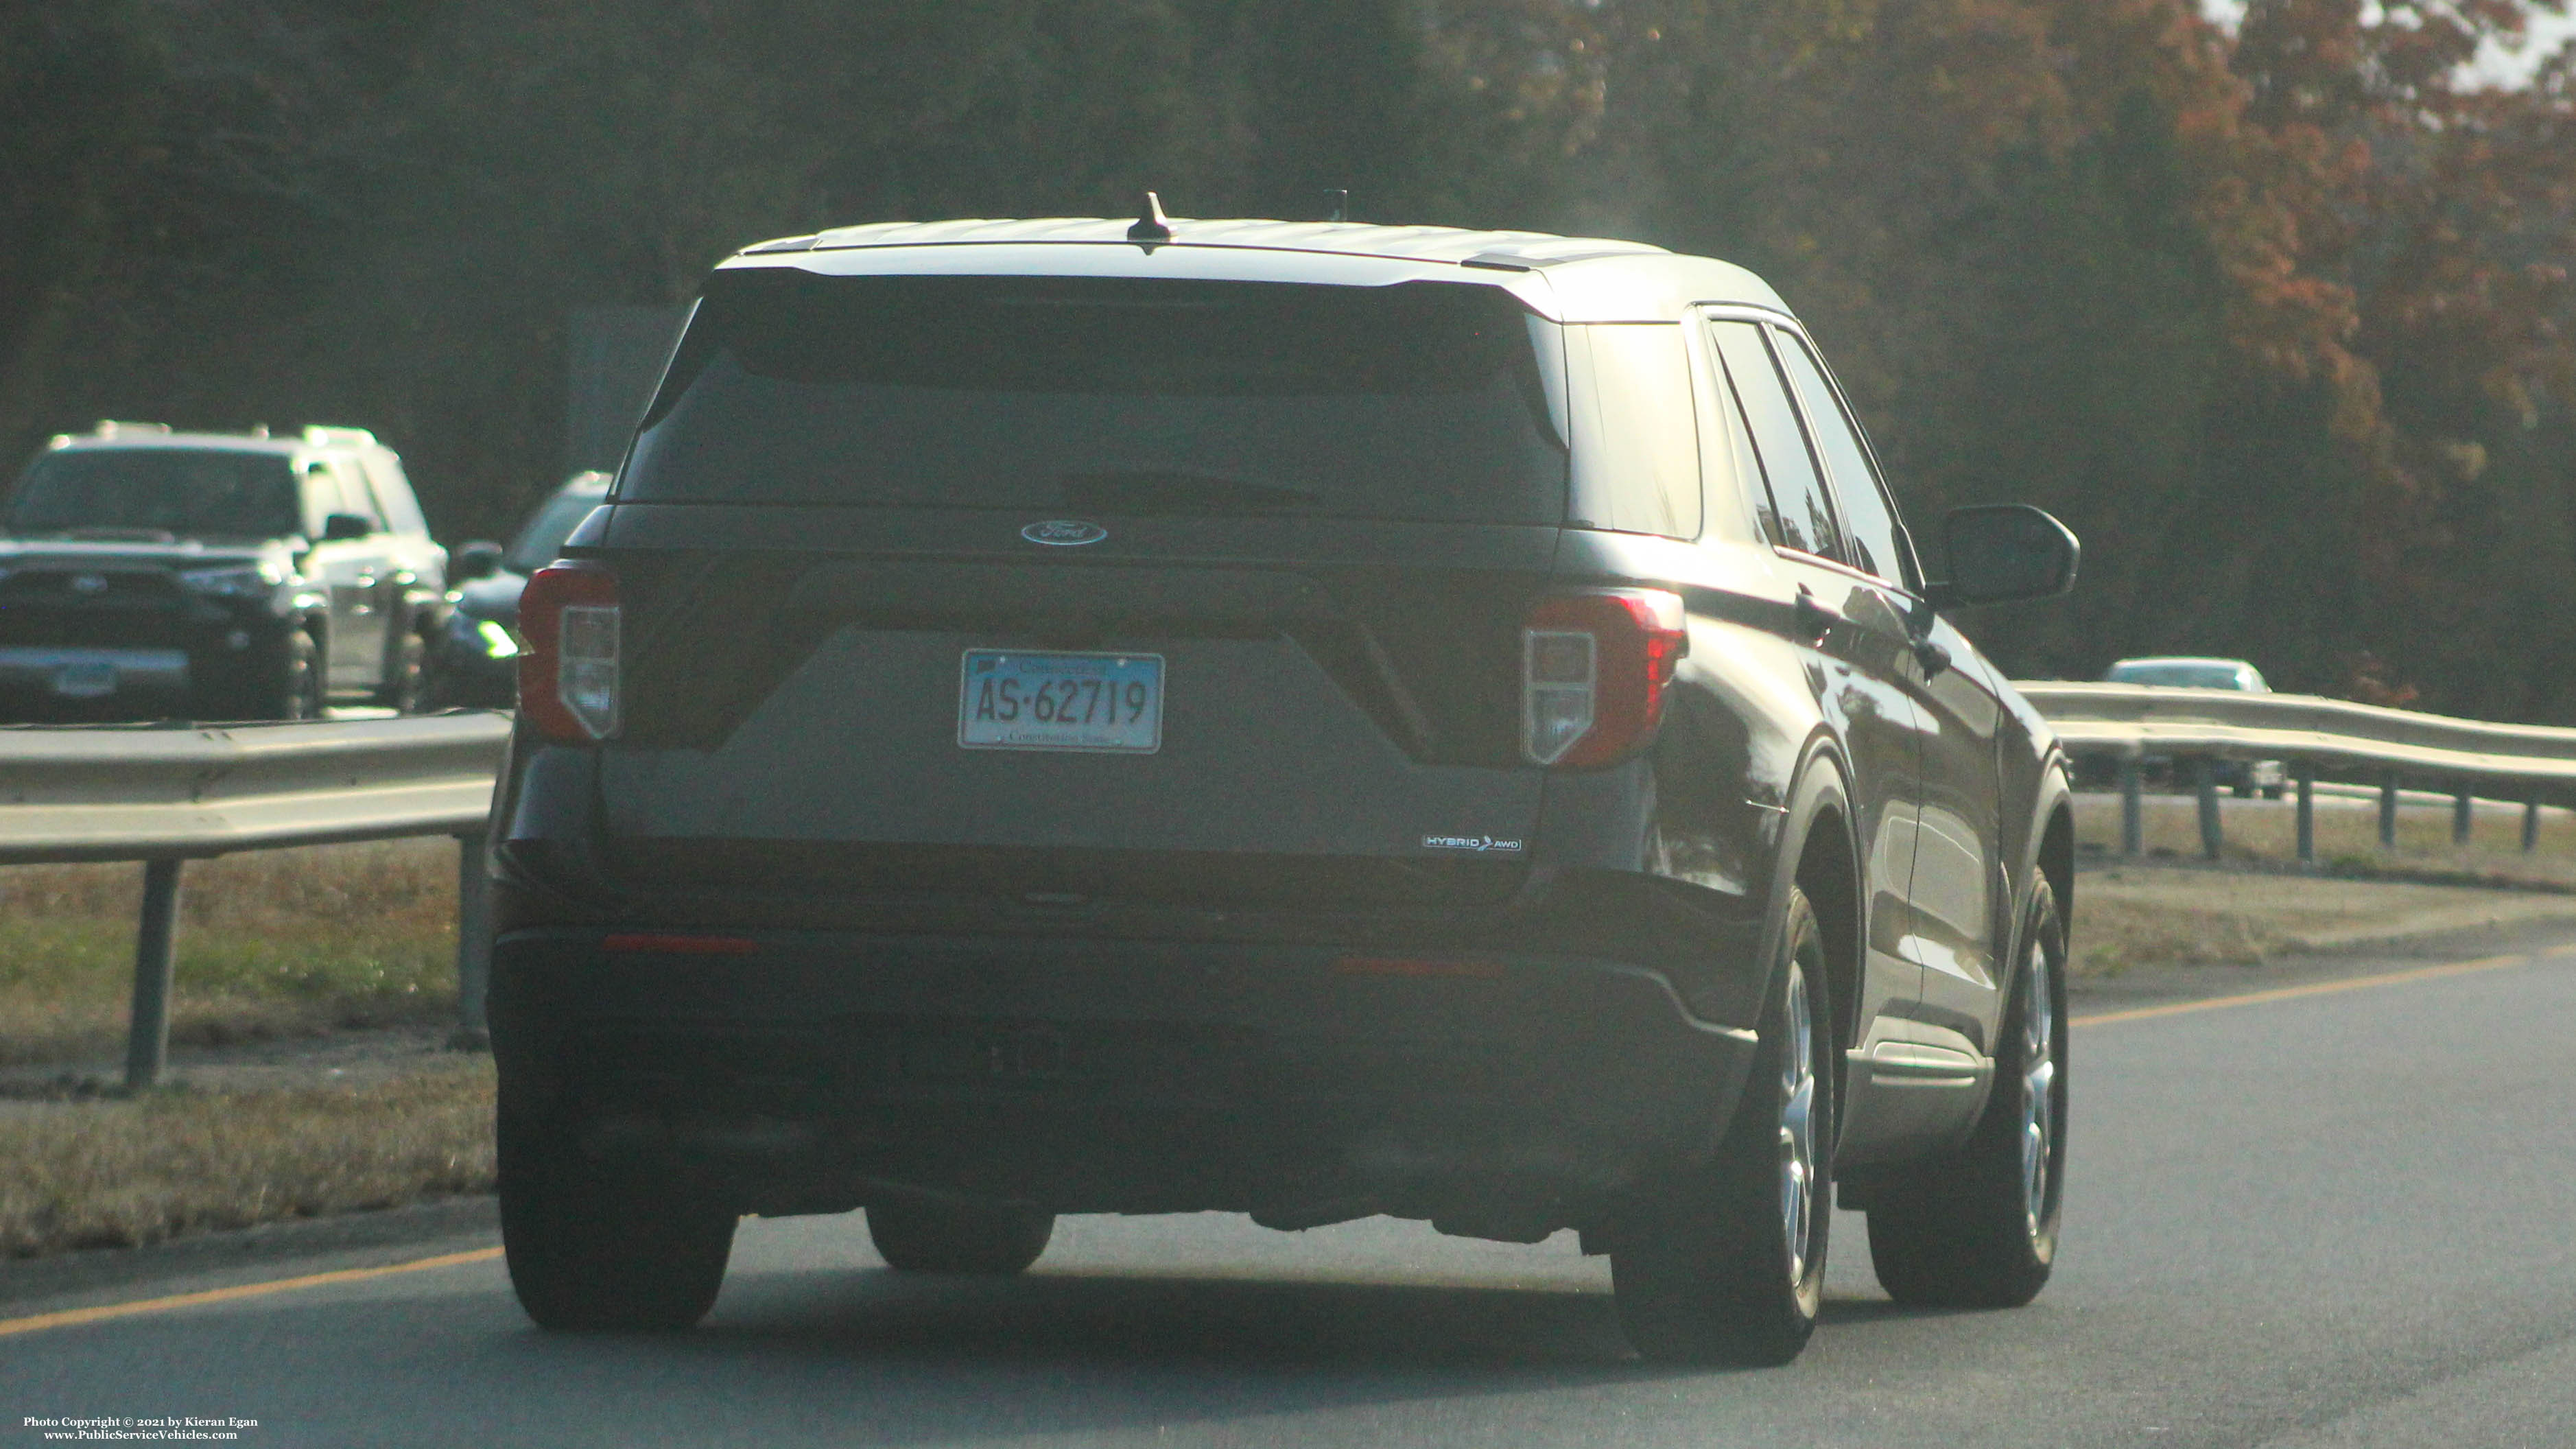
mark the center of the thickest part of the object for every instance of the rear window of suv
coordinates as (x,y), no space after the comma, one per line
(1091,395)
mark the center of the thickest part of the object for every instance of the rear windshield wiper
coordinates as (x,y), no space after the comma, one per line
(1145,490)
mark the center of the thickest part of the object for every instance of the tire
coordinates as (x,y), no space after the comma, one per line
(1979,1228)
(295,692)
(1721,1258)
(595,1249)
(916,1235)
(406,688)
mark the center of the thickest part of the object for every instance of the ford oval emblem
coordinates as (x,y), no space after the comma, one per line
(1064,532)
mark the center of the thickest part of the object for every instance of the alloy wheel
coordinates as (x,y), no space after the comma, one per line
(2038,1088)
(1798,1128)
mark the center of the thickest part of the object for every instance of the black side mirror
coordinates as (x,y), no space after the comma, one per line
(2000,552)
(480,559)
(340,527)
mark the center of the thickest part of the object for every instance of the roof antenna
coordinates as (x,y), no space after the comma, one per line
(1337,204)
(1151,225)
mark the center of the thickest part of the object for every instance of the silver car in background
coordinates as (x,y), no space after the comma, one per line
(2191,672)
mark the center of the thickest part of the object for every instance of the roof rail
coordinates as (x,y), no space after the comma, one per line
(317,435)
(110,427)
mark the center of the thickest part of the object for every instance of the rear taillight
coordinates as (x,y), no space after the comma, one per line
(1593,671)
(568,674)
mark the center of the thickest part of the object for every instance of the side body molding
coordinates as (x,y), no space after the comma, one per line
(1910,1086)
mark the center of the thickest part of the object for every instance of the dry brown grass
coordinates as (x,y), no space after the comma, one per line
(2266,832)
(270,943)
(2158,911)
(110,1173)
(2148,914)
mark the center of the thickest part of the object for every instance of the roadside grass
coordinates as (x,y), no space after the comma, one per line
(2265,833)
(2169,908)
(2153,914)
(117,1173)
(270,944)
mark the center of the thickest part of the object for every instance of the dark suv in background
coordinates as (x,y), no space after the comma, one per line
(148,573)
(1306,720)
(476,663)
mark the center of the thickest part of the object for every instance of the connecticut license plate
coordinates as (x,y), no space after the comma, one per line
(1100,702)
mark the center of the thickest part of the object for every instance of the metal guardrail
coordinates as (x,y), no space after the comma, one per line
(2132,724)
(167,794)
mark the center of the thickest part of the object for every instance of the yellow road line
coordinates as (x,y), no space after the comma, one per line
(70,1316)
(2313,988)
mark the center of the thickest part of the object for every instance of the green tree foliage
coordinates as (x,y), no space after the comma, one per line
(2278,318)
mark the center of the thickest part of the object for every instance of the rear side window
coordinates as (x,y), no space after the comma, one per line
(1800,517)
(1640,466)
(333,488)
(1869,521)
(394,501)
(1096,395)
(1732,493)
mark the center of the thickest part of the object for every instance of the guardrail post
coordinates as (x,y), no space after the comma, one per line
(2463,815)
(2133,809)
(2530,826)
(147,1032)
(2388,812)
(473,943)
(2211,837)
(2307,779)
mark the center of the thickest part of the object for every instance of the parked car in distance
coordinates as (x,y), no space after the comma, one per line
(1309,720)
(2178,671)
(149,573)
(476,663)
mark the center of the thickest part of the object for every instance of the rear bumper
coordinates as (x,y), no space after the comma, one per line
(1498,1095)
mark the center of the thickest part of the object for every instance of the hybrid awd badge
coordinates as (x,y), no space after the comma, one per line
(1480,844)
(1064,532)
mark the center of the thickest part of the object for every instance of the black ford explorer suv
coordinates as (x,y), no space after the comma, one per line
(147,573)
(1310,720)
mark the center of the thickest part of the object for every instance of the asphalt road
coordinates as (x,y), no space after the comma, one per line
(2336,1214)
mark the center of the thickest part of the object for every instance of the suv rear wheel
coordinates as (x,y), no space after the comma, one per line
(921,1236)
(1979,1229)
(591,1247)
(1723,1260)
